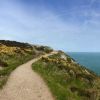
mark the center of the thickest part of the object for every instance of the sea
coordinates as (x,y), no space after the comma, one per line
(90,60)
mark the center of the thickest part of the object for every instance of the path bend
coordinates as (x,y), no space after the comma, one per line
(25,84)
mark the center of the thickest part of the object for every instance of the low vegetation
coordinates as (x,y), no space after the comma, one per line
(13,54)
(66,79)
(44,49)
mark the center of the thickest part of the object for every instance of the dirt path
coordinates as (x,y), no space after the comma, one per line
(25,84)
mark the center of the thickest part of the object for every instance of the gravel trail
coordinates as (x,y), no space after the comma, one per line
(25,84)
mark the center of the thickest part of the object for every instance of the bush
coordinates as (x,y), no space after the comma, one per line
(3,64)
(44,49)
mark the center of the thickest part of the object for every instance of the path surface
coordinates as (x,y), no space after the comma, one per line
(25,84)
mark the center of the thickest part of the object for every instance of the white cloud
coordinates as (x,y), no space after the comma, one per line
(43,26)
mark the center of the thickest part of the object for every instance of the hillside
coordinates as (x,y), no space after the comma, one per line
(13,54)
(67,79)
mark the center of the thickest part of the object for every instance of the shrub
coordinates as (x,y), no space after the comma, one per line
(3,64)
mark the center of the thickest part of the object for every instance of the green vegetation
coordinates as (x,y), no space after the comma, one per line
(13,54)
(44,49)
(66,79)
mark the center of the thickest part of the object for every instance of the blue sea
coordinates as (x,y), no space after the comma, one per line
(87,59)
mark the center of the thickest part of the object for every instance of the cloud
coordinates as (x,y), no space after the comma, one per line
(14,20)
(40,25)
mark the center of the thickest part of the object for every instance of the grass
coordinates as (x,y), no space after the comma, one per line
(56,80)
(60,81)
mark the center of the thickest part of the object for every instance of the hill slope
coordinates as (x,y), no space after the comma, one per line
(13,54)
(67,79)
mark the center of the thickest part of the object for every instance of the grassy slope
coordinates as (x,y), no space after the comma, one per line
(13,54)
(67,79)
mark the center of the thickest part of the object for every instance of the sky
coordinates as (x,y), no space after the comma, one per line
(69,25)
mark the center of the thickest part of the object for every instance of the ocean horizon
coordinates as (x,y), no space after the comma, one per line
(90,60)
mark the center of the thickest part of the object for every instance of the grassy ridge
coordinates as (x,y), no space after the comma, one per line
(68,80)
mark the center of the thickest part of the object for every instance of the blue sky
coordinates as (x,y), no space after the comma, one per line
(69,25)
